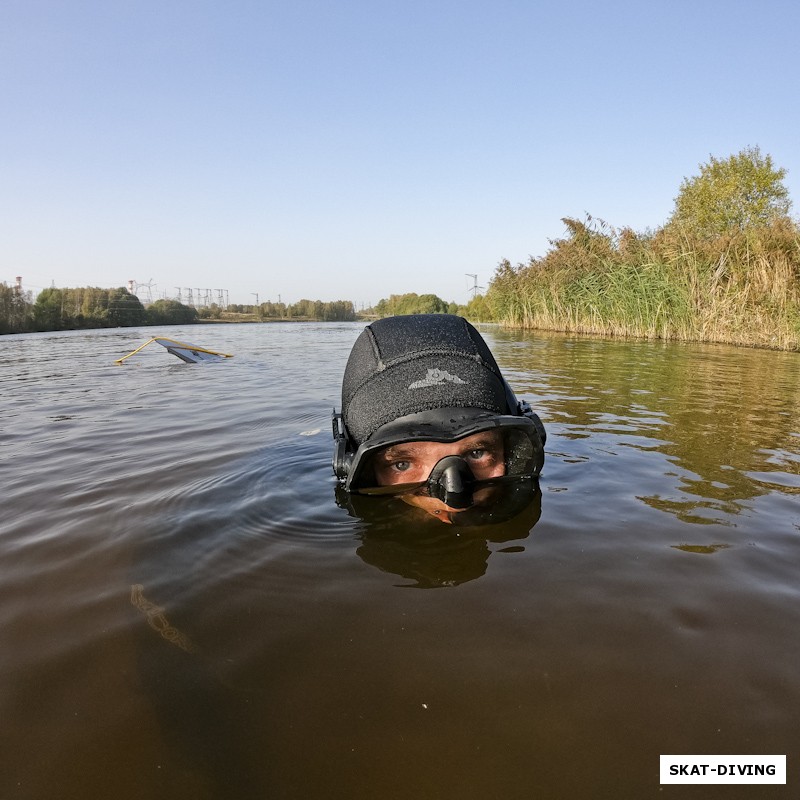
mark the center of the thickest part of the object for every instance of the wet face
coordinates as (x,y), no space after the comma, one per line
(412,462)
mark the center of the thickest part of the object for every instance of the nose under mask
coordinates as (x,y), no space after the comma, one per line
(451,481)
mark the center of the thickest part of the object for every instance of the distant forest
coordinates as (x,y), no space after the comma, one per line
(92,307)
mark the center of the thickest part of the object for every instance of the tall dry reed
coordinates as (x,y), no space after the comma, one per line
(743,288)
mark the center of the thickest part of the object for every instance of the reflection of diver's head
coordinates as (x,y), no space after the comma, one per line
(405,541)
(427,415)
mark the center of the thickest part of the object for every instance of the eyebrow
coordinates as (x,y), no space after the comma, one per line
(484,440)
(488,439)
(408,449)
(399,451)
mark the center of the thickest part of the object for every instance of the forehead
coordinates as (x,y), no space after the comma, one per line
(490,438)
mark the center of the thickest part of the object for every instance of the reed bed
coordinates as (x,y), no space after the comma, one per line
(743,288)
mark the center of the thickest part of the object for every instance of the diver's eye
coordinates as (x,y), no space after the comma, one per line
(401,466)
(477,454)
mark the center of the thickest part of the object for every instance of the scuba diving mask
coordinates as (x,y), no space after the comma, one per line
(446,453)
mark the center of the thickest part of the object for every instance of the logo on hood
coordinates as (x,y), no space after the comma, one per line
(435,377)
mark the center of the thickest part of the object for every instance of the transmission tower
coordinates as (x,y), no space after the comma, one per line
(149,286)
(474,288)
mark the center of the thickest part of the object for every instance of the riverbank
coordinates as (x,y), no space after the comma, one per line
(741,289)
(235,317)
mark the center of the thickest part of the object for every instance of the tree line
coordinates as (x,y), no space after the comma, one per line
(317,310)
(91,307)
(476,309)
(85,307)
(344,311)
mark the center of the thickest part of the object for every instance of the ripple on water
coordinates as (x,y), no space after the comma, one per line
(663,570)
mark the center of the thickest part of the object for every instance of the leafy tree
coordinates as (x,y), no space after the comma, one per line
(411,303)
(214,311)
(15,310)
(478,309)
(171,312)
(124,309)
(743,191)
(48,311)
(272,310)
(337,310)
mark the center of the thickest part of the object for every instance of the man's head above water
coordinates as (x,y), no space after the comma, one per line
(427,415)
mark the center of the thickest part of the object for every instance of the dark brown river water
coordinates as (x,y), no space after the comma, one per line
(186,613)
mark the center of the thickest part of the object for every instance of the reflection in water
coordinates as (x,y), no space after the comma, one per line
(719,423)
(706,549)
(405,541)
(439,559)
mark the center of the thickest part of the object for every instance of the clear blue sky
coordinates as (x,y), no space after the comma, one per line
(350,150)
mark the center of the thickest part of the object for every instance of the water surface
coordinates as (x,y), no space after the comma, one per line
(186,613)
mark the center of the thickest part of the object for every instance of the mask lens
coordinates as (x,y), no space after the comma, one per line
(521,448)
(512,449)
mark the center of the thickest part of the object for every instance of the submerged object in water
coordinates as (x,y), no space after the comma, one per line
(190,353)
